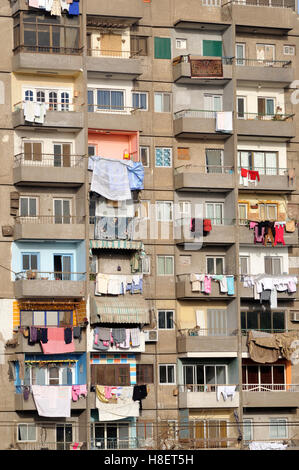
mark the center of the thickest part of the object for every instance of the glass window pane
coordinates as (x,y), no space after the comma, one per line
(170,374)
(52,318)
(161,265)
(169,265)
(169,320)
(39,318)
(210,375)
(158,102)
(162,374)
(221,376)
(162,319)
(210,266)
(24,207)
(278,320)
(25,262)
(219,265)
(34,262)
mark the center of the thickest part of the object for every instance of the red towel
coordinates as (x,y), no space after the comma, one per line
(207,225)
(253,175)
(244,172)
(56,343)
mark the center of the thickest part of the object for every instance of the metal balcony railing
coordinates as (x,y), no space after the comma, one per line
(101,108)
(49,160)
(204,169)
(272,171)
(196,113)
(270,388)
(203,388)
(263,63)
(265,117)
(48,50)
(186,58)
(260,3)
(50,219)
(33,275)
(52,106)
(186,333)
(104,53)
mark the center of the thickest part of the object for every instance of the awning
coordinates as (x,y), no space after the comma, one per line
(128,309)
(117,244)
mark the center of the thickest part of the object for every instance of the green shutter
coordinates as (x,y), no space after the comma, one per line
(162,48)
(211,48)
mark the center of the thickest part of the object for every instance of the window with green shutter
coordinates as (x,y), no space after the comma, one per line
(211,48)
(162,48)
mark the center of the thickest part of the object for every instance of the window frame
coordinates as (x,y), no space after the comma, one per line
(25,197)
(163,107)
(167,367)
(147,151)
(33,425)
(166,319)
(214,219)
(274,424)
(164,257)
(215,258)
(161,211)
(139,93)
(258,313)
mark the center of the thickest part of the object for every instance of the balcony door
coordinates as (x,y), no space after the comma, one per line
(214,160)
(212,104)
(62,155)
(62,211)
(63,267)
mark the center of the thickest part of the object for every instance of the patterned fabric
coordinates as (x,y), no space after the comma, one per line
(163,157)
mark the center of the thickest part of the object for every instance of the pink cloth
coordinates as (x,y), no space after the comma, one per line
(259,238)
(78,390)
(56,343)
(279,230)
(207,284)
(252,224)
(108,394)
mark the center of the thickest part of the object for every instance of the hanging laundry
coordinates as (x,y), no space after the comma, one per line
(74,8)
(56,343)
(207,225)
(135,337)
(110,179)
(207,284)
(68,335)
(279,232)
(230,285)
(52,401)
(139,394)
(56,8)
(224,121)
(136,176)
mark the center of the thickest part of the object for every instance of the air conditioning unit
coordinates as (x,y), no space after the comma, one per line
(151,336)
(294,316)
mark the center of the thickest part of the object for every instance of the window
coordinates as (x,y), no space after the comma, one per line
(184,210)
(109,100)
(204,375)
(144,431)
(28,206)
(181,43)
(30,261)
(165,319)
(26,432)
(211,48)
(167,374)
(145,373)
(214,159)
(58,374)
(217,322)
(278,428)
(47,318)
(273,265)
(241,107)
(138,45)
(110,374)
(40,33)
(64,436)
(268,211)
(62,211)
(144,156)
(146,265)
(265,107)
(214,211)
(56,100)
(144,209)
(111,436)
(165,265)
(244,265)
(215,265)
(212,104)
(270,321)
(162,102)
(163,157)
(289,50)
(164,211)
(247,429)
(266,163)
(242,208)
(209,433)
(240,54)
(162,48)
(139,100)
(92,150)
(263,377)
(62,155)
(265,53)
(32,151)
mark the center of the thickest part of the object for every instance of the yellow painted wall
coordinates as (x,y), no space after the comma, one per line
(263,199)
(185,312)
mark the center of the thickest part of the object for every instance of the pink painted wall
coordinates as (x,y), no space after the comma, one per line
(114,145)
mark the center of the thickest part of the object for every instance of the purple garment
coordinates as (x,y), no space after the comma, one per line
(259,238)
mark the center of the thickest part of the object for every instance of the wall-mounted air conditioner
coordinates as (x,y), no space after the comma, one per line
(151,336)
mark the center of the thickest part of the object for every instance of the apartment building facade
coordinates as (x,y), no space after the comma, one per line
(149,236)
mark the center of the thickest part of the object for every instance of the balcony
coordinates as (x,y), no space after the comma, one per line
(36,284)
(223,231)
(118,64)
(195,123)
(250,15)
(192,177)
(202,70)
(119,310)
(223,341)
(114,349)
(116,8)
(65,61)
(278,72)
(48,169)
(279,126)
(49,228)
(184,290)
(248,292)
(272,180)
(24,347)
(124,118)
(206,396)
(21,404)
(270,395)
(66,116)
(113,230)
(246,236)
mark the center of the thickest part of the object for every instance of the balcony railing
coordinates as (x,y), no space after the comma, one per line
(50,219)
(117,444)
(203,388)
(48,50)
(196,113)
(272,171)
(100,108)
(49,160)
(52,106)
(260,3)
(204,169)
(263,63)
(265,117)
(186,58)
(115,54)
(49,445)
(113,228)
(270,388)
(186,333)
(33,275)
